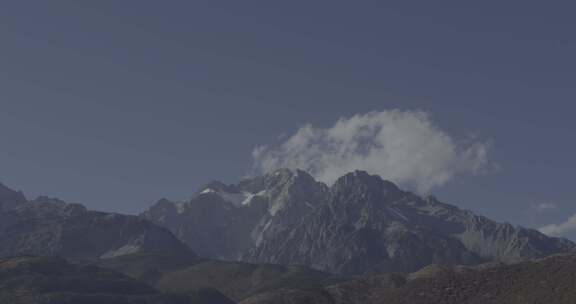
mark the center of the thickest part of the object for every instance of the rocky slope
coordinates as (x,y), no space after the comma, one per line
(360,224)
(28,280)
(236,280)
(50,227)
(53,280)
(549,280)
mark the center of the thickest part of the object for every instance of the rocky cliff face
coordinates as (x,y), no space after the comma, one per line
(50,227)
(369,225)
(225,221)
(360,224)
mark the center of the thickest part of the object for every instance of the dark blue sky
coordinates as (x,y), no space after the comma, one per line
(115,104)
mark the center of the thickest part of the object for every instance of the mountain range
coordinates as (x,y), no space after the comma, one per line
(282,237)
(50,227)
(360,224)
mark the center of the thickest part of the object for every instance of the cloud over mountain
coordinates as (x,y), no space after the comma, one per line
(560,229)
(403,146)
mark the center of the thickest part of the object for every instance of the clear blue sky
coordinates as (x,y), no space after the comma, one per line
(115,104)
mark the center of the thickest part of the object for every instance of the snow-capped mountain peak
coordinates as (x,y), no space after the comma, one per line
(239,198)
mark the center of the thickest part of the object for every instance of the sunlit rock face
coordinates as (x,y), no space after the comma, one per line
(225,221)
(360,224)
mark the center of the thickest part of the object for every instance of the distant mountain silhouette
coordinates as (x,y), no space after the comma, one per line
(50,227)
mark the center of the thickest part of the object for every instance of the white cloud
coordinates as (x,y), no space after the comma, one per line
(560,229)
(402,146)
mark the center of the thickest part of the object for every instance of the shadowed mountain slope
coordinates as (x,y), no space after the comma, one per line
(53,280)
(50,227)
(549,280)
(237,280)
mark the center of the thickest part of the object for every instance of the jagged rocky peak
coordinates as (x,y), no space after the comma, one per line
(164,203)
(223,220)
(359,224)
(278,178)
(229,194)
(363,181)
(359,187)
(293,190)
(163,208)
(10,198)
(218,186)
(49,206)
(284,187)
(276,188)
